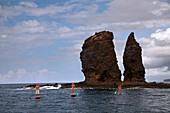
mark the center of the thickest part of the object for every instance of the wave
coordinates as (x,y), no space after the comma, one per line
(41,87)
(51,87)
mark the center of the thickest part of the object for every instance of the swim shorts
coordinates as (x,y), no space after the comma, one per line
(37,92)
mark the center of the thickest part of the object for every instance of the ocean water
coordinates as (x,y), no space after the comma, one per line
(13,100)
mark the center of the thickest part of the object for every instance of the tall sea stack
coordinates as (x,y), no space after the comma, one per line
(99,63)
(132,61)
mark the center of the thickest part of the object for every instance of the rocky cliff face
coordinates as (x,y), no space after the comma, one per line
(99,63)
(132,61)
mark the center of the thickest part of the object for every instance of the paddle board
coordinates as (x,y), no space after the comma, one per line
(37,97)
(73,95)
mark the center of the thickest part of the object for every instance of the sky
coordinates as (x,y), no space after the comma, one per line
(41,40)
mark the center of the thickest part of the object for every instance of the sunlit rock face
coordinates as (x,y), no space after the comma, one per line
(99,62)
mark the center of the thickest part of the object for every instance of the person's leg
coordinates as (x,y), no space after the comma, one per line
(38,92)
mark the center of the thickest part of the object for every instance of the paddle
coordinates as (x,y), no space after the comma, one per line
(32,92)
(115,92)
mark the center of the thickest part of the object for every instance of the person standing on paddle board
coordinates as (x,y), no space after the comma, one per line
(37,89)
(120,88)
(72,89)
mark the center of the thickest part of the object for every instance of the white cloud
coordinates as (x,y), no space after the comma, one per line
(31,9)
(29,4)
(30,26)
(125,10)
(163,7)
(33,33)
(9,12)
(1,77)
(162,35)
(9,74)
(119,49)
(75,49)
(25,35)
(119,16)
(4,36)
(64,30)
(123,14)
(43,71)
(148,14)
(21,75)
(85,1)
(158,71)
(31,23)
(156,50)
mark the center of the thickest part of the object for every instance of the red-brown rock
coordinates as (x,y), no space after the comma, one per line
(99,63)
(132,61)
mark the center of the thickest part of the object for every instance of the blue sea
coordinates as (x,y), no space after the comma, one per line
(14,100)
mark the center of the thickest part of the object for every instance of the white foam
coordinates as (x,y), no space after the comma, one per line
(134,88)
(24,88)
(43,87)
(51,87)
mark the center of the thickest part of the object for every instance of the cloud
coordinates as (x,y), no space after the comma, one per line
(33,33)
(9,12)
(32,9)
(163,9)
(77,20)
(123,13)
(9,75)
(29,4)
(0,77)
(3,36)
(25,35)
(119,49)
(85,1)
(158,71)
(162,35)
(47,10)
(157,74)
(156,49)
(21,75)
(43,71)
(75,49)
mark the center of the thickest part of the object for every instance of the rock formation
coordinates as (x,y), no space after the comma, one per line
(132,61)
(99,63)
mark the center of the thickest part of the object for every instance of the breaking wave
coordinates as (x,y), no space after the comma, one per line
(41,87)
(51,87)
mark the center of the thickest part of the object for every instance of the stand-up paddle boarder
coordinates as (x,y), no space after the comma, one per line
(37,90)
(120,89)
(72,89)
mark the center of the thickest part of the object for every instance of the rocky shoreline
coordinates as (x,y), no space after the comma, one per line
(115,85)
(110,86)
